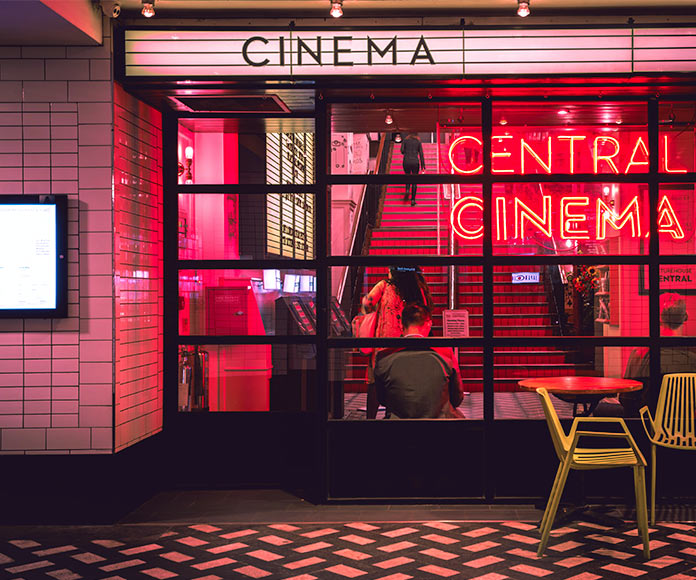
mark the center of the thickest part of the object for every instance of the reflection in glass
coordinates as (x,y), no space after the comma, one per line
(247,302)
(246,378)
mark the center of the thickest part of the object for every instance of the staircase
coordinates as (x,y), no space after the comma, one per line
(519,309)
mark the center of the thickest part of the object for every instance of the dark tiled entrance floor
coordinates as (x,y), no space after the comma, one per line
(213,535)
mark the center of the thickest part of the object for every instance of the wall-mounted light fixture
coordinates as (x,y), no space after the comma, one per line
(523,8)
(397,137)
(148,10)
(388,119)
(336,8)
(188,154)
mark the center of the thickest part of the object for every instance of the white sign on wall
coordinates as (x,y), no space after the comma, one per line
(192,53)
(525,277)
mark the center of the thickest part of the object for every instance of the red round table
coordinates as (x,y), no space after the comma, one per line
(588,391)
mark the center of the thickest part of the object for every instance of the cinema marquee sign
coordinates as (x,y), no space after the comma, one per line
(292,52)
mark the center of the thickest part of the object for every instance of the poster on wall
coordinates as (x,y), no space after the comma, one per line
(679,278)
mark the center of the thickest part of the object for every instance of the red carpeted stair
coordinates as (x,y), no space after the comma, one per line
(519,309)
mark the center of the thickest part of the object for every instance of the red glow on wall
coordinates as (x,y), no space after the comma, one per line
(574,215)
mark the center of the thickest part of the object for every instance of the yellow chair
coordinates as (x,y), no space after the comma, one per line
(675,421)
(573,457)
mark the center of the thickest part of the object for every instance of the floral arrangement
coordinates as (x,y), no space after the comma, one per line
(584,279)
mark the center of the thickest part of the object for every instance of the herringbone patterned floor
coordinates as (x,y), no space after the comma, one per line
(384,551)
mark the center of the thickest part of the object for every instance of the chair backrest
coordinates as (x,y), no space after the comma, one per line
(560,440)
(676,407)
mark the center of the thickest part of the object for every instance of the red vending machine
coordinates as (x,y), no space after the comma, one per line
(244,371)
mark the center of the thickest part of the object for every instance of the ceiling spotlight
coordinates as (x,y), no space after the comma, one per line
(336,8)
(522,8)
(148,10)
(397,138)
(388,119)
(563,112)
(503,121)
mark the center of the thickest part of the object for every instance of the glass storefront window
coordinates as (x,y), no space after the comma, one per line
(348,387)
(569,300)
(677,137)
(256,377)
(247,302)
(254,151)
(514,365)
(568,138)
(569,218)
(370,138)
(446,220)
(248,227)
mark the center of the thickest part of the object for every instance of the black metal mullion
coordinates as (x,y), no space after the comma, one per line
(487,299)
(654,244)
(170,234)
(322,246)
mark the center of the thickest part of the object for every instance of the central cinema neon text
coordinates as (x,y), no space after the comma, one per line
(573,218)
(570,153)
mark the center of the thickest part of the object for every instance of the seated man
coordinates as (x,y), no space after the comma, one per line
(677,359)
(418,382)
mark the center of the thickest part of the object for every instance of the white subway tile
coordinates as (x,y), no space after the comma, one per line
(38,187)
(102,438)
(37,365)
(36,132)
(9,327)
(11,365)
(97,307)
(30,119)
(11,379)
(36,107)
(96,372)
(37,421)
(11,407)
(64,338)
(64,107)
(40,91)
(65,393)
(65,173)
(43,51)
(96,351)
(96,156)
(65,420)
(95,134)
(10,118)
(37,337)
(90,91)
(20,439)
(11,338)
(95,113)
(67,438)
(58,407)
(65,365)
(11,393)
(66,351)
(103,51)
(97,328)
(38,175)
(96,199)
(95,221)
(22,70)
(37,379)
(93,416)
(59,132)
(37,146)
(99,265)
(10,91)
(10,145)
(11,421)
(37,393)
(37,407)
(69,187)
(67,69)
(64,145)
(96,243)
(37,352)
(64,159)
(66,324)
(100,69)
(9,352)
(64,379)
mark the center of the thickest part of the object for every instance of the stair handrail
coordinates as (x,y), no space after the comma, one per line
(364,222)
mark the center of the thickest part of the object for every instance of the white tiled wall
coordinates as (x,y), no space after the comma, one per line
(56,377)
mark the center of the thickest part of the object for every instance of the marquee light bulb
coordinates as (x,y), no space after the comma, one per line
(522,8)
(336,9)
(148,10)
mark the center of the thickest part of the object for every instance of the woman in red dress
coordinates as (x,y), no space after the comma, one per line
(405,284)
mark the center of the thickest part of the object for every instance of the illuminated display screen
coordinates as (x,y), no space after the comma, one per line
(33,267)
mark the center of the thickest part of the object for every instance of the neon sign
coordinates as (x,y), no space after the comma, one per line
(514,219)
(576,153)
